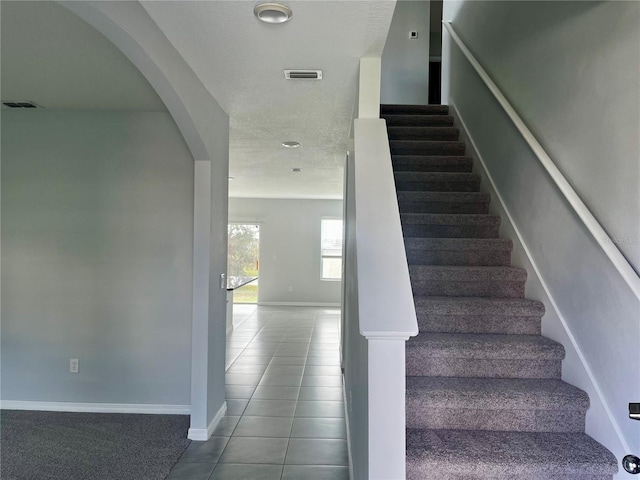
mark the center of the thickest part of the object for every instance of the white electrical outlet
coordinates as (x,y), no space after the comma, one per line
(290,289)
(74,365)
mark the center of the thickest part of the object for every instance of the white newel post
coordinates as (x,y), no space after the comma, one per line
(386,312)
(387,422)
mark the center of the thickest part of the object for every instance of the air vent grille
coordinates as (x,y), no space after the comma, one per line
(19,105)
(303,74)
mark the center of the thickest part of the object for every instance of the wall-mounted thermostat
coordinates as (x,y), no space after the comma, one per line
(413,34)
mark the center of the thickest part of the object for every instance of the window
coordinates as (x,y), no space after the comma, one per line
(331,245)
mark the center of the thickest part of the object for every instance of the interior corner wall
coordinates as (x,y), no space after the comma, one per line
(218,145)
(405,61)
(97,214)
(571,70)
(290,248)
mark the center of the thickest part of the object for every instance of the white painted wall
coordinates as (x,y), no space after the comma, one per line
(355,348)
(290,248)
(572,71)
(575,84)
(97,213)
(405,61)
(205,129)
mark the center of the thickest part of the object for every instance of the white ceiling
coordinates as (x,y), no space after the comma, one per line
(239,60)
(55,59)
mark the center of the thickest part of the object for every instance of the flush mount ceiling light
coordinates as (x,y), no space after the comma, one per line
(273,12)
(290,144)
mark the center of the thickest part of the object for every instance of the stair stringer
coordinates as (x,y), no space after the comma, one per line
(600,423)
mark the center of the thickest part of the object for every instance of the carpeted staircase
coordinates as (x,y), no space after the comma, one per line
(484,395)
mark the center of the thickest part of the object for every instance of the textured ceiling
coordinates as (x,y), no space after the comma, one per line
(55,59)
(241,61)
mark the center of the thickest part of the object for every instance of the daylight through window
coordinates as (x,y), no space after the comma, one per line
(331,245)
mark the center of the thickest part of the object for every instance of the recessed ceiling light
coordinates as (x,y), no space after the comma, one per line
(296,170)
(273,12)
(290,144)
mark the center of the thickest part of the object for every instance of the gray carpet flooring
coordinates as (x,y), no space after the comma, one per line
(483,384)
(89,446)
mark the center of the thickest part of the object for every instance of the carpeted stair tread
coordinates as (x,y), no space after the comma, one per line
(472,244)
(443,202)
(515,307)
(514,316)
(437,181)
(468,281)
(437,177)
(417,120)
(395,109)
(485,346)
(427,147)
(474,455)
(423,133)
(431,163)
(446,273)
(458,251)
(448,219)
(450,225)
(495,393)
(411,196)
(499,404)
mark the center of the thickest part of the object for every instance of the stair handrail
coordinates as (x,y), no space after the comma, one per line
(605,242)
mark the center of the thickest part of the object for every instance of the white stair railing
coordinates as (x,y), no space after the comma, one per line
(590,222)
(386,317)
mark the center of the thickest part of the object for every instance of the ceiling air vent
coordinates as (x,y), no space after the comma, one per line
(303,74)
(19,105)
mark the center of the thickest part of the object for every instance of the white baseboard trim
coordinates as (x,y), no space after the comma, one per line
(145,408)
(204,434)
(300,304)
(549,300)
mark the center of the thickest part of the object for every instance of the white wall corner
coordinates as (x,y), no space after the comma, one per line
(369,87)
(204,434)
(600,423)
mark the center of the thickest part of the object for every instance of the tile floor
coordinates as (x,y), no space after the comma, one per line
(285,413)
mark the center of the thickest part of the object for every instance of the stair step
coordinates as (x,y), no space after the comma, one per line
(431,163)
(486,355)
(464,281)
(479,315)
(512,404)
(458,251)
(443,202)
(437,181)
(423,133)
(444,225)
(480,455)
(393,109)
(399,120)
(426,147)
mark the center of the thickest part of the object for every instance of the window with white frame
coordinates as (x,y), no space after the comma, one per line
(331,246)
